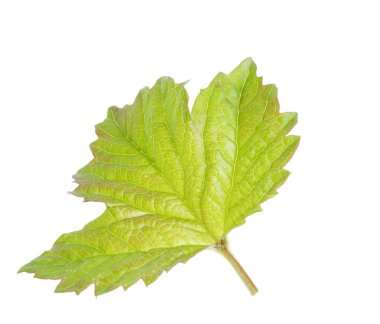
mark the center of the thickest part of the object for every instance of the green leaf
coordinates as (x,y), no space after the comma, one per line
(117,249)
(244,143)
(173,183)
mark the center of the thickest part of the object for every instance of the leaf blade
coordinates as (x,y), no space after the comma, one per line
(173,182)
(147,152)
(241,127)
(118,251)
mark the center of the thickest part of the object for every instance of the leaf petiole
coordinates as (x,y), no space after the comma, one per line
(222,248)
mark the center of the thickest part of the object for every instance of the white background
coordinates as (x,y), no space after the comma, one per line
(314,252)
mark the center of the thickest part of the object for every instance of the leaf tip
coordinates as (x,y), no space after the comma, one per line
(248,64)
(21,270)
(184,82)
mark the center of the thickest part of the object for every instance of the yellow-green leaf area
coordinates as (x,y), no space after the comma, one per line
(173,182)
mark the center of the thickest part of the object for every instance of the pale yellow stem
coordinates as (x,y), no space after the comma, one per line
(222,248)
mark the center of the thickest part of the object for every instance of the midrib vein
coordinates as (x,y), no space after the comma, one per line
(236,150)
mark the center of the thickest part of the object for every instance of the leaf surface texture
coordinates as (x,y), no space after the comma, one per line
(173,183)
